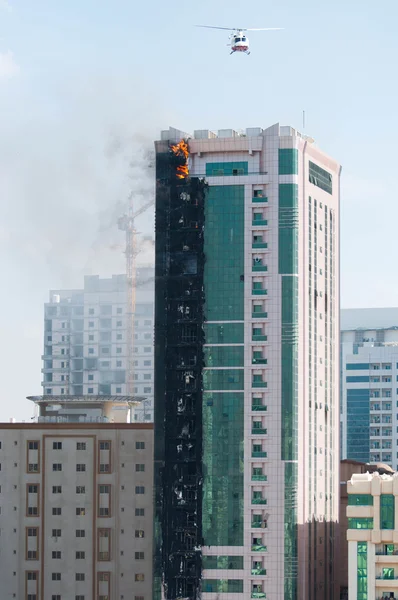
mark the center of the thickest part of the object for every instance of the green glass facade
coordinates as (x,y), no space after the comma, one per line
(387,511)
(288,268)
(320,178)
(222,562)
(224,169)
(223,377)
(360,523)
(360,500)
(230,586)
(362,571)
(288,161)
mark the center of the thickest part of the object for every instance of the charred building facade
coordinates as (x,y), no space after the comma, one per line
(247,366)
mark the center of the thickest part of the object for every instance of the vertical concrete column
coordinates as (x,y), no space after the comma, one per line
(352,570)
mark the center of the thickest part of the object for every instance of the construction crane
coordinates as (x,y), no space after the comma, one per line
(126,223)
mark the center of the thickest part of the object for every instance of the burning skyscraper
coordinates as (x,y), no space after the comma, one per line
(246,363)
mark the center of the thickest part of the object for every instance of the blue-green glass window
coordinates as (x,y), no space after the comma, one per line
(360,500)
(288,161)
(223,356)
(357,379)
(257,285)
(387,573)
(357,366)
(223,379)
(257,308)
(226,333)
(362,571)
(257,378)
(223,585)
(387,511)
(320,177)
(225,169)
(360,523)
(222,562)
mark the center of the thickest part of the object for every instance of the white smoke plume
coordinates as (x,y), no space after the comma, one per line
(66,178)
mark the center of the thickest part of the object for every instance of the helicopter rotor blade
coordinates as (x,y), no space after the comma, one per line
(212,27)
(264,29)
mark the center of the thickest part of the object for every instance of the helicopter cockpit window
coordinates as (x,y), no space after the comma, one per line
(237,39)
(243,39)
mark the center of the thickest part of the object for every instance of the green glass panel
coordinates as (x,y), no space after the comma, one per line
(256,245)
(288,229)
(387,511)
(224,169)
(360,500)
(288,161)
(289,382)
(220,356)
(222,562)
(362,571)
(225,333)
(224,251)
(360,523)
(223,469)
(222,586)
(290,537)
(320,177)
(223,379)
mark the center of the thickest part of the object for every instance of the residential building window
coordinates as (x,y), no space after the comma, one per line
(57,489)
(140,445)
(80,577)
(80,489)
(139,489)
(80,467)
(118,363)
(140,512)
(56,554)
(139,577)
(80,533)
(118,350)
(80,555)
(56,533)
(139,556)
(56,576)
(139,468)
(90,390)
(91,377)
(57,511)
(57,467)
(139,533)
(80,512)
(57,445)
(81,446)
(31,576)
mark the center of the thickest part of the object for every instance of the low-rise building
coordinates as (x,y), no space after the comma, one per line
(76,502)
(372,536)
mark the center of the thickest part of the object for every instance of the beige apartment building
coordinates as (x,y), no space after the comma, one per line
(372,536)
(76,502)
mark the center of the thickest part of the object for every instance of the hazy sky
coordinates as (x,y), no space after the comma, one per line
(85,85)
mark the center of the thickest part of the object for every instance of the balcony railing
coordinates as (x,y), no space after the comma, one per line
(257,571)
(259,477)
(258,267)
(259,454)
(259,501)
(259,338)
(258,245)
(258,595)
(259,315)
(259,525)
(259,548)
(387,551)
(259,222)
(256,431)
(259,361)
(259,384)
(259,407)
(259,292)
(260,199)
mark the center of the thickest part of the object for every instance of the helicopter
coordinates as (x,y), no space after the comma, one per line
(239,42)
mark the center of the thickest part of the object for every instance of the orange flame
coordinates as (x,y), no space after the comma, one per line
(181,149)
